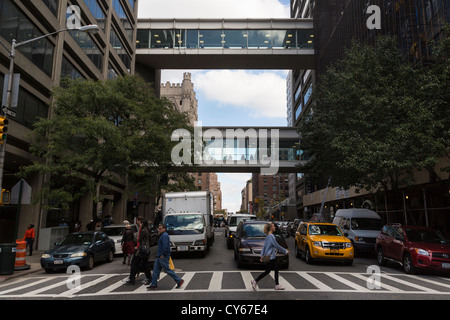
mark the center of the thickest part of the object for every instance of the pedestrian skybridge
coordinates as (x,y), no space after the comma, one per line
(225,149)
(225,43)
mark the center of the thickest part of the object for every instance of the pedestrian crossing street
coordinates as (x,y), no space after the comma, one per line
(89,285)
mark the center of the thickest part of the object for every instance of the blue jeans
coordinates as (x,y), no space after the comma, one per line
(163,264)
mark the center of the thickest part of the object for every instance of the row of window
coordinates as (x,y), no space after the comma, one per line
(228,39)
(15,25)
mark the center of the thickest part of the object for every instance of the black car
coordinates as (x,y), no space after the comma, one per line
(249,242)
(80,248)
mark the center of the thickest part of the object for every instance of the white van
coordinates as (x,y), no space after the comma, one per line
(232,223)
(361,226)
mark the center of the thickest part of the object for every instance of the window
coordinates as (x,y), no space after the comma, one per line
(15,25)
(52,5)
(97,12)
(117,43)
(123,17)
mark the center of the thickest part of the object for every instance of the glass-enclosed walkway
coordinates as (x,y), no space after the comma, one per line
(222,43)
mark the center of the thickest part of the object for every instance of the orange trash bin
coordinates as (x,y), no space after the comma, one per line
(21,253)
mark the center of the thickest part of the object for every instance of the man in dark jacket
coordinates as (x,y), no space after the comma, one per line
(141,253)
(162,259)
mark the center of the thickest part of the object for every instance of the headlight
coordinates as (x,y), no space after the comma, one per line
(359,239)
(78,255)
(422,252)
(348,244)
(317,243)
(244,250)
(46,256)
(200,242)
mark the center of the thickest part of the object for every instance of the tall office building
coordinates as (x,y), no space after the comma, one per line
(416,24)
(42,64)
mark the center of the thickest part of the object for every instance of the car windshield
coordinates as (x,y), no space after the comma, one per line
(253,231)
(184,224)
(234,221)
(366,224)
(324,230)
(77,239)
(423,235)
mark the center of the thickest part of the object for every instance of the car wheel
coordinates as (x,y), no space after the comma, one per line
(380,257)
(408,265)
(308,258)
(90,264)
(110,256)
(297,253)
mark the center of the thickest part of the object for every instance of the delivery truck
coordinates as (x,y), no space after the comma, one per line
(189,219)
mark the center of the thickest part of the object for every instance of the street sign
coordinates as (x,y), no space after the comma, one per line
(24,194)
(14,90)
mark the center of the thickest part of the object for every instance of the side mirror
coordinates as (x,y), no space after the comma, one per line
(345,234)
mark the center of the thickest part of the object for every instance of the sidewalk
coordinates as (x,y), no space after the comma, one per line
(35,266)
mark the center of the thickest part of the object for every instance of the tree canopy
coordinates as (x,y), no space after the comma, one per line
(377,117)
(103,132)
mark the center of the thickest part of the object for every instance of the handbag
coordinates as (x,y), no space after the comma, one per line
(265,258)
(143,251)
(171,265)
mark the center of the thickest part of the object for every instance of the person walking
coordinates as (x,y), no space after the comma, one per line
(128,243)
(141,253)
(269,252)
(29,237)
(162,259)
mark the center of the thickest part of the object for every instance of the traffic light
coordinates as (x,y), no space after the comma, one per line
(3,128)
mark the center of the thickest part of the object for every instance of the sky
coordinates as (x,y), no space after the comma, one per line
(229,97)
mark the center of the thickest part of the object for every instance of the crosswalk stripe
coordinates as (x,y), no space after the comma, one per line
(314,281)
(380,284)
(247,278)
(410,284)
(216,281)
(348,283)
(91,284)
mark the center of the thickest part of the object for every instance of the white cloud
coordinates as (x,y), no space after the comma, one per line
(231,185)
(212,9)
(263,94)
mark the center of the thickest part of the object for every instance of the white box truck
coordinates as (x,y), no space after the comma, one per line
(189,232)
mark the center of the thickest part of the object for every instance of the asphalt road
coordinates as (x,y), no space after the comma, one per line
(216,277)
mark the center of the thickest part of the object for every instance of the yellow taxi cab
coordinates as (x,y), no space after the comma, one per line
(322,242)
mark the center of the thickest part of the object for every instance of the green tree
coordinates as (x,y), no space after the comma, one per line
(376,119)
(102,132)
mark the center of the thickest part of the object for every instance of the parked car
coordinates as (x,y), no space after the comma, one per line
(413,247)
(249,241)
(232,223)
(80,248)
(361,226)
(322,241)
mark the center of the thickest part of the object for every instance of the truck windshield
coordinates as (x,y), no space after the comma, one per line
(366,224)
(185,224)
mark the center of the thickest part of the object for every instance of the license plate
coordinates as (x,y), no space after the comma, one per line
(446,266)
(58,262)
(183,248)
(334,250)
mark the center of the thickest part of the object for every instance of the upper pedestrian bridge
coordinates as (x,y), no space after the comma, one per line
(225,43)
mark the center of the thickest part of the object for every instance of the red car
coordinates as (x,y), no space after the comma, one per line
(414,247)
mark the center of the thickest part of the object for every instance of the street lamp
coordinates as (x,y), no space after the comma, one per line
(92,28)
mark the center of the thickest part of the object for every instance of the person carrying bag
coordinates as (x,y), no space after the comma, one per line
(268,256)
(142,253)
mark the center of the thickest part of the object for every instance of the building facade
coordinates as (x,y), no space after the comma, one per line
(182,96)
(416,24)
(208,181)
(42,64)
(268,191)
